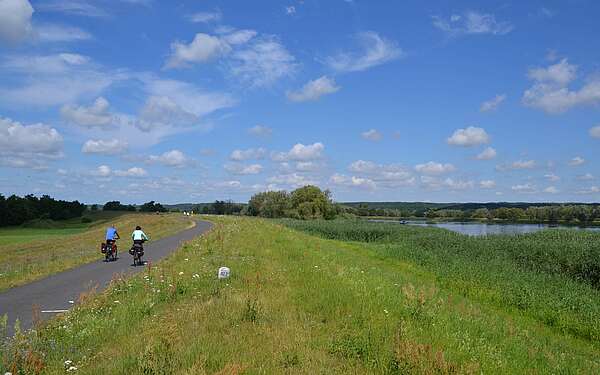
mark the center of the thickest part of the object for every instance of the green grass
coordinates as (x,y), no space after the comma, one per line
(28,254)
(303,305)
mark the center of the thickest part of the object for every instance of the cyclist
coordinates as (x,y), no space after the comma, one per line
(112,235)
(138,236)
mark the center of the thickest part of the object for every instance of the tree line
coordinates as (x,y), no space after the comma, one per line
(16,210)
(547,214)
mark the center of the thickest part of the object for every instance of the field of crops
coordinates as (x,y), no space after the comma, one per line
(552,276)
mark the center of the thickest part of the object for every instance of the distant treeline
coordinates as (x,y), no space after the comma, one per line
(151,206)
(543,212)
(16,210)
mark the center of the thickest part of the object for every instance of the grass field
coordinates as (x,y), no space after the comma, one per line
(301,304)
(27,254)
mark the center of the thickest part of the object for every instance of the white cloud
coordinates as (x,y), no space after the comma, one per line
(586,177)
(595,132)
(561,73)
(301,152)
(238,37)
(576,161)
(590,190)
(293,180)
(72,7)
(15,20)
(471,136)
(551,190)
(552,177)
(290,9)
(95,115)
(372,135)
(550,91)
(162,111)
(131,172)
(487,154)
(434,168)
(376,51)
(473,23)
(59,33)
(28,145)
(241,169)
(54,80)
(102,171)
(519,164)
(251,153)
(524,188)
(106,147)
(205,17)
(384,175)
(262,62)
(353,181)
(434,183)
(173,158)
(487,184)
(202,49)
(313,90)
(260,131)
(492,104)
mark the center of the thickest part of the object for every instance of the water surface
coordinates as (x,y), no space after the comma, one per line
(484,229)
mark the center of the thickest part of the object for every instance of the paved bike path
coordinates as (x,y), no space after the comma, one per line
(57,293)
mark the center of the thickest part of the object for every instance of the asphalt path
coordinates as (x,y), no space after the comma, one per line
(57,293)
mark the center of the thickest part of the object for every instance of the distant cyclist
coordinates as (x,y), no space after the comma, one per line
(112,235)
(138,236)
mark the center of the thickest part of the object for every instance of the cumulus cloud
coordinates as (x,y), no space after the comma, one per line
(435,183)
(590,190)
(551,190)
(471,136)
(551,93)
(586,177)
(551,177)
(292,179)
(595,132)
(519,164)
(492,104)
(105,147)
(241,169)
(313,90)
(28,146)
(524,188)
(164,112)
(487,154)
(251,153)
(95,115)
(384,175)
(173,158)
(376,50)
(15,20)
(372,135)
(471,23)
(131,172)
(434,168)
(487,184)
(102,171)
(576,161)
(301,152)
(202,49)
(260,131)
(352,181)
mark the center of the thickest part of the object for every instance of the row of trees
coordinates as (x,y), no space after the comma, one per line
(117,206)
(550,214)
(308,202)
(221,208)
(16,210)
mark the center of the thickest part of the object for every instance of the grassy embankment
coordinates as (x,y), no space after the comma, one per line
(28,254)
(301,304)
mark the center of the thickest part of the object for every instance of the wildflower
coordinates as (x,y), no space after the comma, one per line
(117,301)
(181,273)
(71,302)
(68,362)
(186,259)
(385,311)
(72,368)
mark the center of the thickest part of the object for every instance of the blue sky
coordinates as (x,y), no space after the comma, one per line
(189,101)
